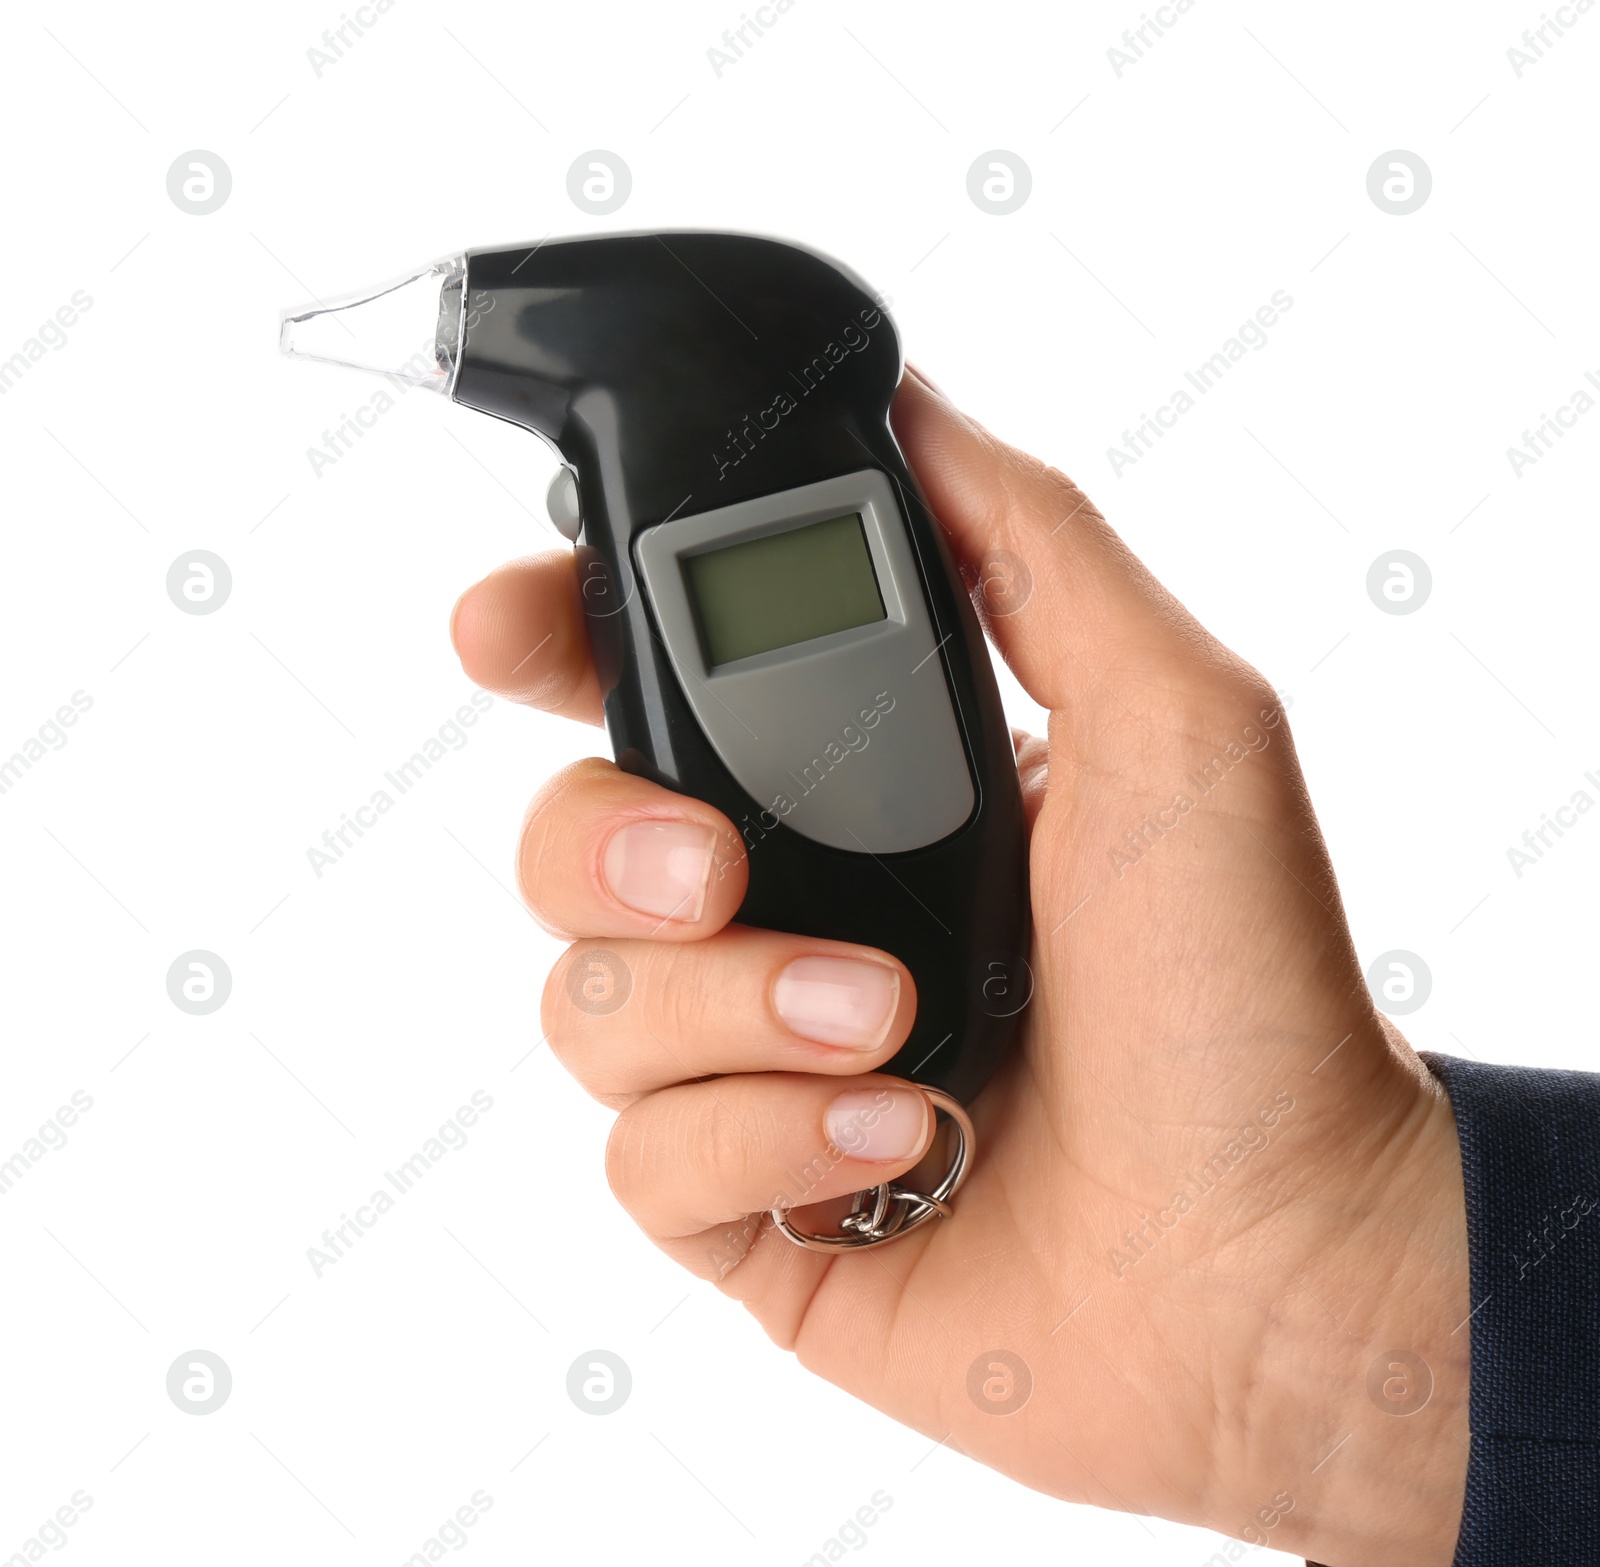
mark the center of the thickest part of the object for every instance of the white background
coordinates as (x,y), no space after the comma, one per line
(1167,205)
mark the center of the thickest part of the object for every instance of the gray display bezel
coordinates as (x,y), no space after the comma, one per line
(660,551)
(921,754)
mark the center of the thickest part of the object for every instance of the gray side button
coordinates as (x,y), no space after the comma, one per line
(561,501)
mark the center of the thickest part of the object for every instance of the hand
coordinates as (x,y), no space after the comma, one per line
(1214,1187)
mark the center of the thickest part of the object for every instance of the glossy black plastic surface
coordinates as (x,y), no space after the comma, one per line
(678,372)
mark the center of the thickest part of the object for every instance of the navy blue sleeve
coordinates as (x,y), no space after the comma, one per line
(1530,1153)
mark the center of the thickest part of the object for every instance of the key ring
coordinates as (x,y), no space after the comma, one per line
(886,1212)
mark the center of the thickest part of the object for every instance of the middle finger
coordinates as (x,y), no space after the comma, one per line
(628,1017)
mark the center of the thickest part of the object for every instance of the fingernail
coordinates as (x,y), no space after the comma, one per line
(928,381)
(838,1001)
(879,1125)
(660,868)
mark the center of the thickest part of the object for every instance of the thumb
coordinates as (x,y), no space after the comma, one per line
(1061,595)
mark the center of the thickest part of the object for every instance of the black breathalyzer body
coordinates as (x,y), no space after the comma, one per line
(778,624)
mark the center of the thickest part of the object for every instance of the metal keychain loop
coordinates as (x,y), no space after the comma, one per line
(886,1212)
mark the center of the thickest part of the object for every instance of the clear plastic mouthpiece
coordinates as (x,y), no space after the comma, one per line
(409,329)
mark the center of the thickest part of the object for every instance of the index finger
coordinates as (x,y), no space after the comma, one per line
(520,633)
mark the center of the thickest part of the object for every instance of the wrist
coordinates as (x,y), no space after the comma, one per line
(1358,1427)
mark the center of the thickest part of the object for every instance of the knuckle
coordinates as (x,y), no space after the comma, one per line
(1249,684)
(683,1140)
(1205,683)
(1222,710)
(1256,700)
(676,1003)
(715,1146)
(1070,499)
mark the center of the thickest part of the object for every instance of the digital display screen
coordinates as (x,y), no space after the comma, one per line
(783,588)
